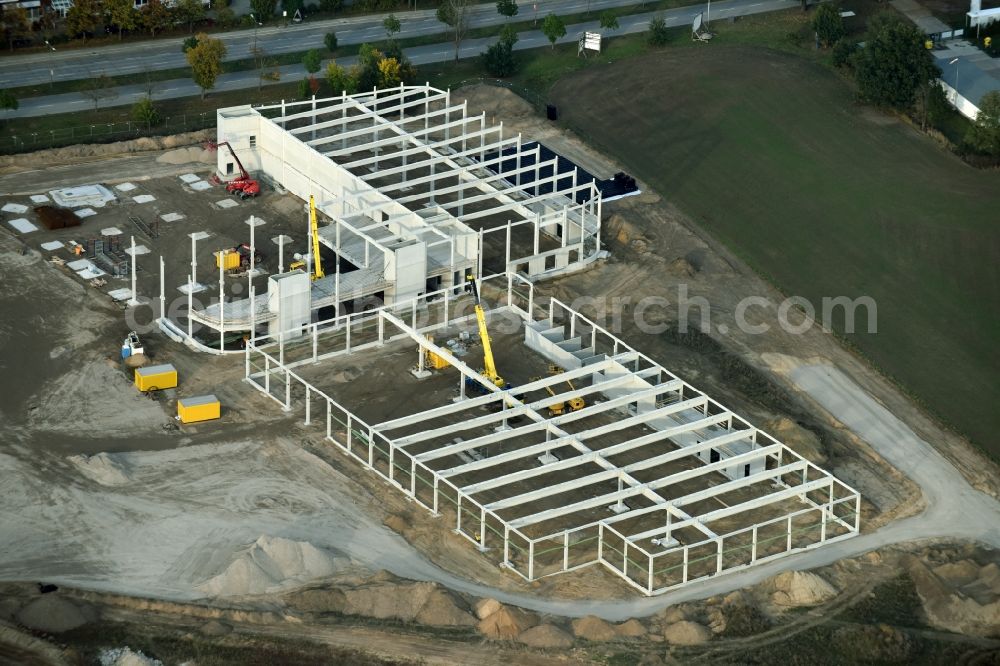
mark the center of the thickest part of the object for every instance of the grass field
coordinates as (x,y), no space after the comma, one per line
(770,154)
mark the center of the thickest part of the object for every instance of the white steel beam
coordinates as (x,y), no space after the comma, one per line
(621,495)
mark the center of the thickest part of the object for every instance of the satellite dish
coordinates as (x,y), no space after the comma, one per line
(696,26)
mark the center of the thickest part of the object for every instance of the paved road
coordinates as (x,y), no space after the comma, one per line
(419,55)
(71,64)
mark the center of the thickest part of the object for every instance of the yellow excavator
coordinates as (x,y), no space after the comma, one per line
(314,227)
(559,408)
(489,365)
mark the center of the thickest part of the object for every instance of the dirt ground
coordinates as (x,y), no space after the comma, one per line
(254,506)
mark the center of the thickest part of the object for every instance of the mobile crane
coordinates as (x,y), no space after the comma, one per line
(314,227)
(489,365)
(244,185)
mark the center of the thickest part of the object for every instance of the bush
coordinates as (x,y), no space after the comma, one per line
(189,43)
(498,60)
(143,111)
(304,91)
(331,5)
(828,24)
(330,40)
(658,32)
(843,49)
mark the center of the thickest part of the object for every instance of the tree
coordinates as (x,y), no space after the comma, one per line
(553,28)
(224,15)
(304,90)
(143,111)
(82,18)
(455,15)
(507,8)
(15,24)
(391,25)
(189,43)
(312,60)
(339,79)
(658,33)
(843,49)
(984,135)
(263,9)
(331,5)
(330,41)
(206,62)
(7,101)
(100,88)
(190,12)
(894,63)
(498,59)
(390,72)
(609,21)
(121,14)
(154,16)
(828,24)
(508,35)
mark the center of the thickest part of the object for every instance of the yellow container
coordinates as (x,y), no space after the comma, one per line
(199,408)
(229,258)
(155,377)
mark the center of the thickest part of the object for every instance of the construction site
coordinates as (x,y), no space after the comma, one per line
(374,356)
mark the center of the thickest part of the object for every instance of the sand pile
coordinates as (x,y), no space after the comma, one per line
(86,152)
(971,609)
(800,588)
(269,564)
(686,632)
(107,469)
(54,614)
(631,629)
(188,155)
(546,636)
(506,623)
(126,656)
(593,628)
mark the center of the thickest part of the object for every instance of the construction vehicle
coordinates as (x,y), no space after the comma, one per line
(314,226)
(243,185)
(575,403)
(238,258)
(489,365)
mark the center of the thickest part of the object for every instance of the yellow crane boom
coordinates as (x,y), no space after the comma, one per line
(314,226)
(489,365)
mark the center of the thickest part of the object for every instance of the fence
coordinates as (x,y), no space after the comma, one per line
(14,141)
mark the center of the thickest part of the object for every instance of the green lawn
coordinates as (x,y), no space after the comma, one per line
(770,154)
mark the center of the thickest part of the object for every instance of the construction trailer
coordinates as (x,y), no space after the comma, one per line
(652,479)
(414,194)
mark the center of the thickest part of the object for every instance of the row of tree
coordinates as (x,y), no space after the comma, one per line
(894,69)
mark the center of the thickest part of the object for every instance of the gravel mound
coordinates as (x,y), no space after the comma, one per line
(686,632)
(593,628)
(546,636)
(506,623)
(269,564)
(631,629)
(54,614)
(106,469)
(800,588)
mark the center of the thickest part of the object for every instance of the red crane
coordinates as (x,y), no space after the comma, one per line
(244,185)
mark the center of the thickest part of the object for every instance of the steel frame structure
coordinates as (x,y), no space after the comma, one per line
(637,472)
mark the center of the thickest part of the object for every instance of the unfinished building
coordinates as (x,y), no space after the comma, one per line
(414,194)
(646,475)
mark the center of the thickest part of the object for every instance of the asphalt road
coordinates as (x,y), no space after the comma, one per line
(137,57)
(419,55)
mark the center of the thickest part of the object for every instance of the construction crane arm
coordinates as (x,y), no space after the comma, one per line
(314,226)
(489,365)
(243,172)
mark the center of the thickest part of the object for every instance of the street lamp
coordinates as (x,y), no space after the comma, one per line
(955,62)
(52,72)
